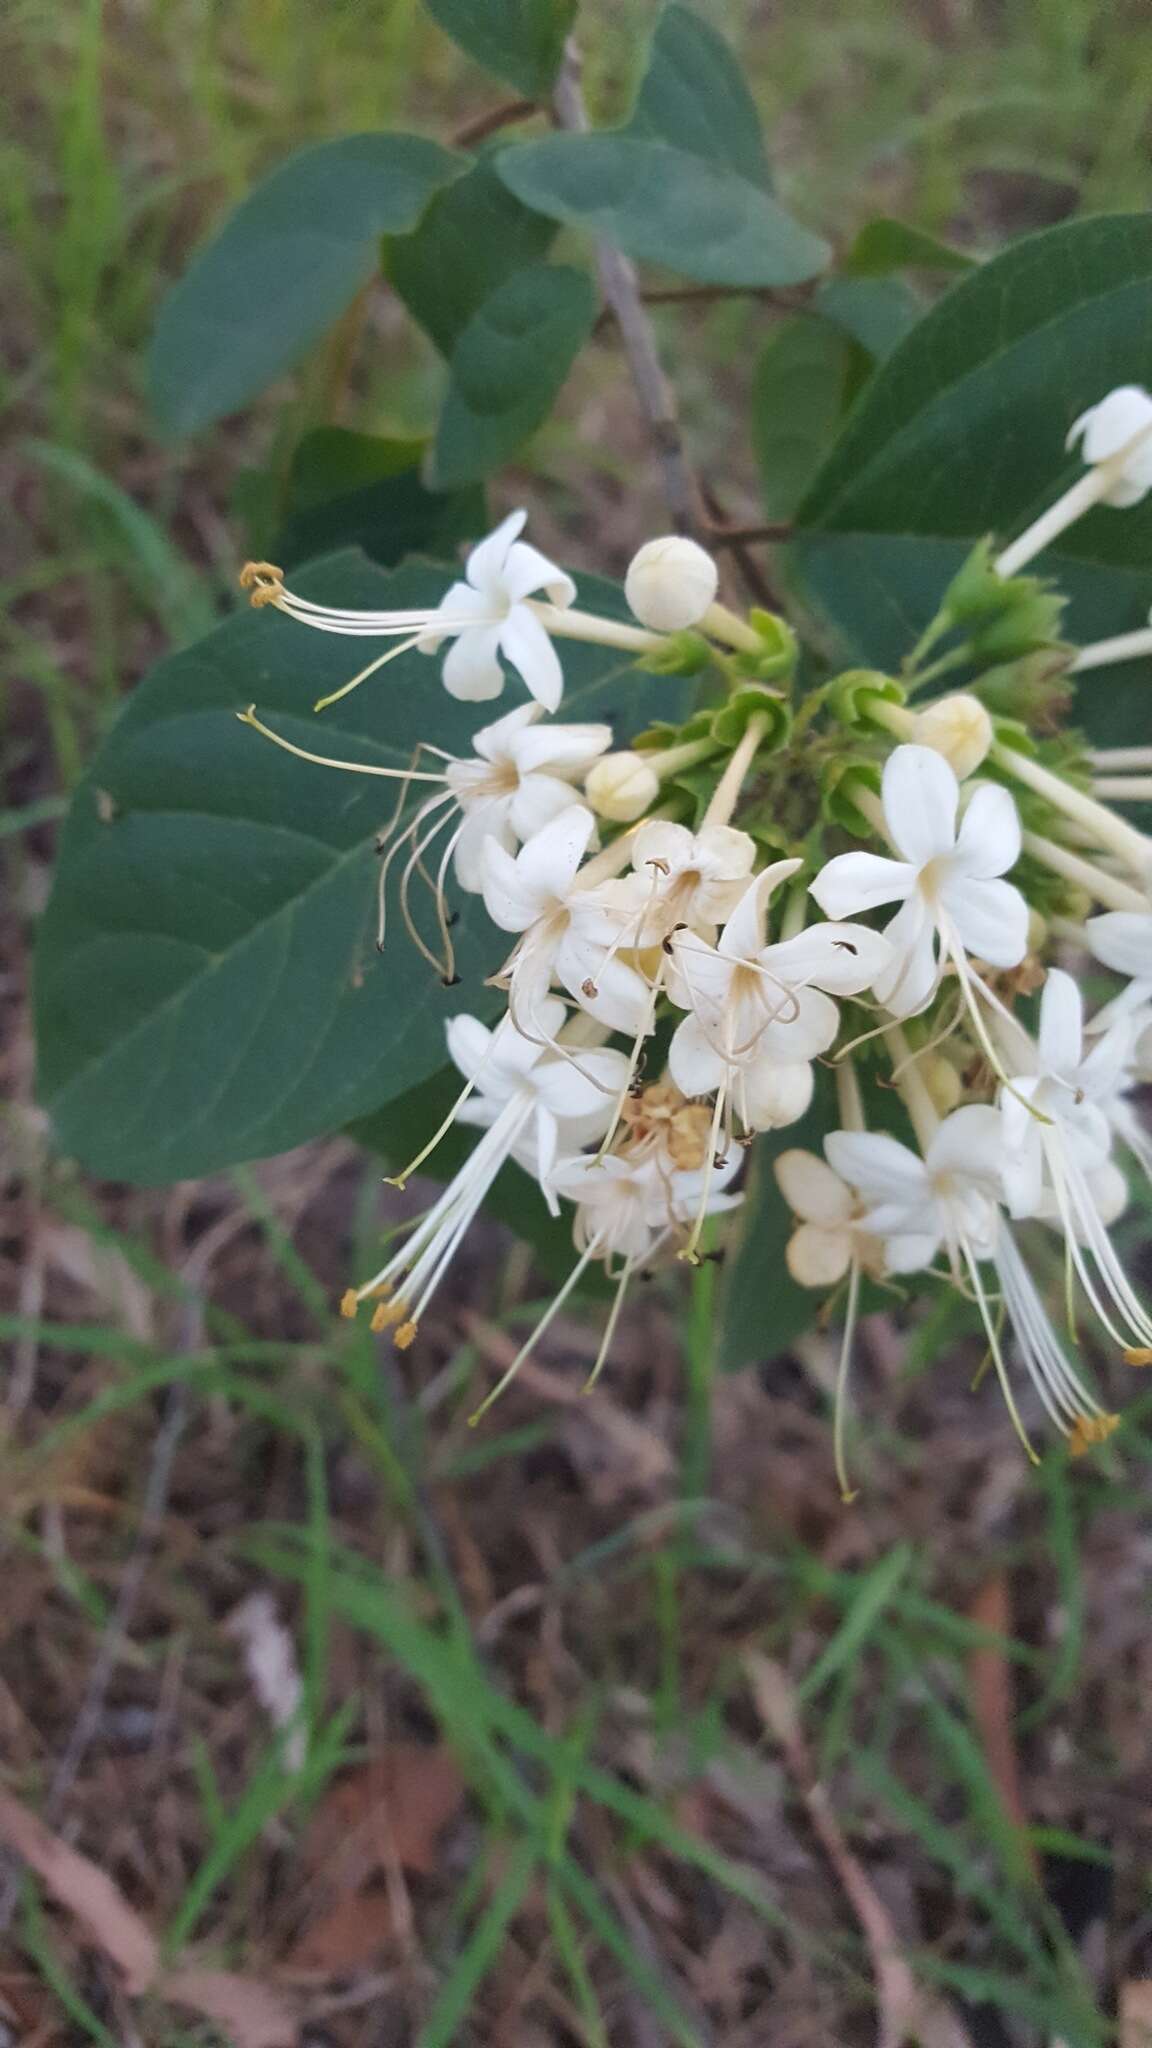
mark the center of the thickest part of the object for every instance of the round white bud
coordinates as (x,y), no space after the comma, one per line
(621,787)
(957,727)
(670,583)
(941,1080)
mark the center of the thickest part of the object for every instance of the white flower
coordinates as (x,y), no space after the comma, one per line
(1118,430)
(1122,940)
(915,1205)
(569,931)
(528,1099)
(946,879)
(1063,1094)
(957,726)
(567,1098)
(670,583)
(694,878)
(622,787)
(521,779)
(829,1235)
(629,1203)
(750,1001)
(488,617)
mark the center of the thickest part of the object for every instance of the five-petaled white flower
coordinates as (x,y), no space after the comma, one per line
(488,616)
(1118,431)
(684,877)
(520,780)
(1059,1095)
(915,1205)
(946,879)
(568,929)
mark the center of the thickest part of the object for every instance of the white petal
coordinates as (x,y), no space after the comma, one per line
(559,749)
(1061,1033)
(621,999)
(724,853)
(920,794)
(969,1143)
(910,979)
(861,881)
(588,1084)
(472,670)
(527,570)
(551,857)
(485,565)
(693,1063)
(487,821)
(882,1168)
(990,917)
(909,1253)
(469,1043)
(512,896)
(803,1026)
(811,1189)
(743,935)
(660,839)
(1110,424)
(988,842)
(775,1093)
(495,742)
(817,1257)
(1122,940)
(539,799)
(844,959)
(459,603)
(524,642)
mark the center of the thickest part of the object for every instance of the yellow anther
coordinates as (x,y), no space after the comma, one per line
(264,580)
(1138,1354)
(1090,1429)
(385,1314)
(349,1303)
(404,1336)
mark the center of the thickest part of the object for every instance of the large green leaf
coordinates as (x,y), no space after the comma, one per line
(521,41)
(283,268)
(685,183)
(961,432)
(797,405)
(761,1310)
(507,368)
(473,236)
(361,490)
(207,986)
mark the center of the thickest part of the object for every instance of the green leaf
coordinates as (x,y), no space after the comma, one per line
(283,267)
(508,366)
(207,986)
(360,490)
(473,236)
(797,404)
(884,245)
(521,41)
(876,312)
(662,205)
(761,1309)
(962,431)
(693,95)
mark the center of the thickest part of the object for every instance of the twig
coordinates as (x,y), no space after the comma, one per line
(750,569)
(721,536)
(482,126)
(621,289)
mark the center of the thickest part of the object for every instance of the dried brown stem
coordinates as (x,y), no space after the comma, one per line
(481,126)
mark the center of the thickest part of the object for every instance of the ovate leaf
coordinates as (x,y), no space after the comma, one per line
(962,432)
(473,236)
(761,1310)
(877,312)
(507,368)
(521,41)
(885,245)
(283,268)
(685,183)
(207,984)
(797,406)
(363,490)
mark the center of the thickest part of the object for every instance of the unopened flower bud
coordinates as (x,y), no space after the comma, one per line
(957,727)
(1037,930)
(621,787)
(670,583)
(1106,430)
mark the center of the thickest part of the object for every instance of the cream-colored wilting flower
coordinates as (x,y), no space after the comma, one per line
(569,929)
(529,1101)
(829,1234)
(947,880)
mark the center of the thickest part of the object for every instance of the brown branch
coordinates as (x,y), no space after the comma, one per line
(789,298)
(721,536)
(621,289)
(481,126)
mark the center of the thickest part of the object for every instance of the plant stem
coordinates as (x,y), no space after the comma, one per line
(1072,867)
(727,790)
(1107,830)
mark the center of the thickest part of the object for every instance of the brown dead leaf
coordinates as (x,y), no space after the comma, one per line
(88,1893)
(392,1808)
(1136,2014)
(250,2013)
(994,1706)
(347,1936)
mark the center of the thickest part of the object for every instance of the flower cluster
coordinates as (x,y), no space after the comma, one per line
(793,892)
